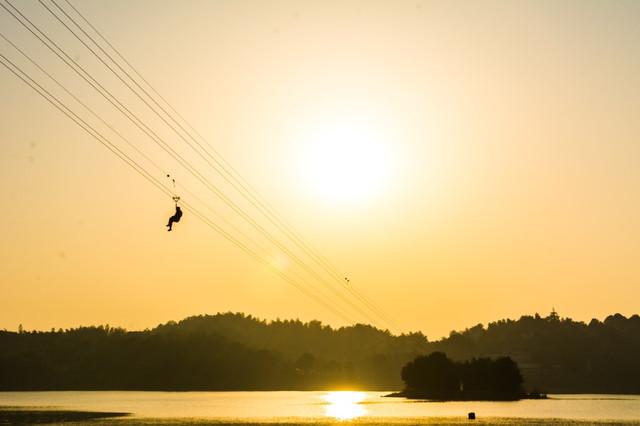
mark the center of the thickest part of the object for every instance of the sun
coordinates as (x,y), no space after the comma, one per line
(345,160)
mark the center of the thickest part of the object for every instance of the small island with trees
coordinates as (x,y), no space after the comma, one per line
(436,377)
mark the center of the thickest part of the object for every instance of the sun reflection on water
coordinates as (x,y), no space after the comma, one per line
(344,405)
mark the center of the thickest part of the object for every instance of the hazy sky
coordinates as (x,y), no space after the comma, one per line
(459,161)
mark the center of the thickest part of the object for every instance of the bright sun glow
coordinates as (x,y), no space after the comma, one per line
(345,405)
(346,160)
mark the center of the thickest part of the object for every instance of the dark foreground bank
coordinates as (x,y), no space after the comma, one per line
(35,416)
(12,416)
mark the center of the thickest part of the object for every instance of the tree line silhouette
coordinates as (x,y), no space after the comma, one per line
(239,352)
(217,352)
(559,354)
(435,376)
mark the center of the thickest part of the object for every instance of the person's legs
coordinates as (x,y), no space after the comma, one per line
(170,224)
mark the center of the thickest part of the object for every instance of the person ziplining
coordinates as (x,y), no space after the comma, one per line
(178,214)
(175,218)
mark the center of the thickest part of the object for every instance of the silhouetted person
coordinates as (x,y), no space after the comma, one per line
(175,218)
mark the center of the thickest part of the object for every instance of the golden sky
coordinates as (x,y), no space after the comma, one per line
(460,161)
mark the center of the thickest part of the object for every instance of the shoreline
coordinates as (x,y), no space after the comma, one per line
(36,415)
(426,397)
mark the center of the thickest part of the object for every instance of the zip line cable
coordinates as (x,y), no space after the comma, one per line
(240,184)
(18,72)
(206,205)
(247,217)
(263,261)
(122,108)
(110,98)
(132,117)
(161,170)
(245,189)
(85,106)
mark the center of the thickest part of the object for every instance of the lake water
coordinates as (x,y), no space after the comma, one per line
(267,406)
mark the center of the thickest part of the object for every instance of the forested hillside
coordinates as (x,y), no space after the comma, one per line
(217,352)
(558,354)
(235,351)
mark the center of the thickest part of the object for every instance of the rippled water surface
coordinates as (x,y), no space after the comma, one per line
(335,405)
